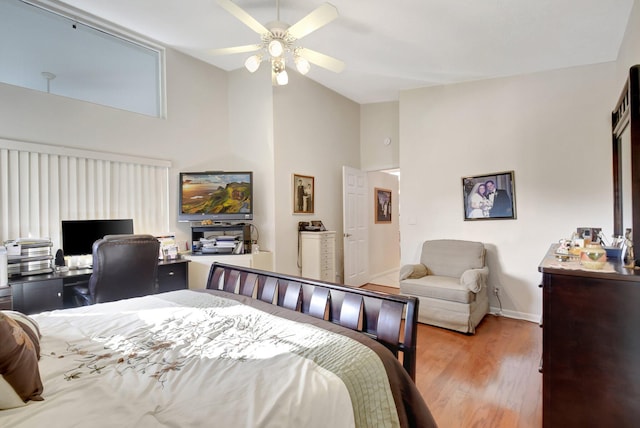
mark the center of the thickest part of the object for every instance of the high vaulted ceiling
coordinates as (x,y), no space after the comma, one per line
(389,46)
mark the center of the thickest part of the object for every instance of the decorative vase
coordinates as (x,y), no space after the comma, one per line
(629,256)
(593,256)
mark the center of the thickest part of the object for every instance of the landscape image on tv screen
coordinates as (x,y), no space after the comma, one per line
(216,193)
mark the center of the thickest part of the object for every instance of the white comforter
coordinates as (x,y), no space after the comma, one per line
(188,359)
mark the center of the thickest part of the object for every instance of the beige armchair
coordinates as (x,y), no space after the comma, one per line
(451,283)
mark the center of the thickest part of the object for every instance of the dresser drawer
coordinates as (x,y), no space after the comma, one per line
(172,276)
(6,300)
(31,296)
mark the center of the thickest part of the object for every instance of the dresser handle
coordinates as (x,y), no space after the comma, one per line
(171,273)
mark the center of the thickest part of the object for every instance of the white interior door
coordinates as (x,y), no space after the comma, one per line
(355,226)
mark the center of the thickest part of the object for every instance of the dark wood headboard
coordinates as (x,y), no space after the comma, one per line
(390,319)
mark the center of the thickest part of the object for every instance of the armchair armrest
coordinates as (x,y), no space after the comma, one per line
(474,279)
(413,271)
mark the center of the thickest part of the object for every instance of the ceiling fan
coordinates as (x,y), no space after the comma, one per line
(279,40)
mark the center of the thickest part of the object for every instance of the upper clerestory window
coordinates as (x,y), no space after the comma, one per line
(53,52)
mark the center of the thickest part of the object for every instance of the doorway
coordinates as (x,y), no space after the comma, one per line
(371,242)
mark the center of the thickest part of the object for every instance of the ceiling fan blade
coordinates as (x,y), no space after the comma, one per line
(233,50)
(319,17)
(243,16)
(322,60)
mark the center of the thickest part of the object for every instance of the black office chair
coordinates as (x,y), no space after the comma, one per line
(124,266)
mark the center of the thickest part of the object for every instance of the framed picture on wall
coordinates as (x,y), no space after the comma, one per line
(382,205)
(489,196)
(303,194)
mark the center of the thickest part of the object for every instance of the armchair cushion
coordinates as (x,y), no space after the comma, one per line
(413,271)
(451,257)
(474,279)
(438,287)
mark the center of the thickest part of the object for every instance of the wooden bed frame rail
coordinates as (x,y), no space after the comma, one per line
(389,319)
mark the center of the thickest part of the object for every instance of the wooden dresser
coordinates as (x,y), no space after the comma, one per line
(590,346)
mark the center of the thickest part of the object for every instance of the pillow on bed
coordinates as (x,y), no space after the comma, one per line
(29,325)
(19,354)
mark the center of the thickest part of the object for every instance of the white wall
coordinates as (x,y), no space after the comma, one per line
(192,137)
(216,121)
(524,130)
(551,128)
(630,49)
(378,122)
(316,133)
(251,145)
(384,238)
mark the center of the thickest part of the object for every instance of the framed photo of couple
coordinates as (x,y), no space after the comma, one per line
(303,194)
(489,197)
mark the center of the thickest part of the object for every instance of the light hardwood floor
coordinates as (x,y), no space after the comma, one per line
(490,379)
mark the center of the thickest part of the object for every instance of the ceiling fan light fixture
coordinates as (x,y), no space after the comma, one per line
(279,39)
(253,63)
(276,48)
(302,65)
(282,78)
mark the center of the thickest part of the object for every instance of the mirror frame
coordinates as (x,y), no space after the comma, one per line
(626,114)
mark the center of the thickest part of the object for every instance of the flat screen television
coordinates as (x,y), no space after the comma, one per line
(216,196)
(78,236)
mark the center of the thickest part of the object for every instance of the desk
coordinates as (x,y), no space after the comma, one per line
(37,293)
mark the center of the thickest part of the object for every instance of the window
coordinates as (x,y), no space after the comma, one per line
(42,185)
(50,52)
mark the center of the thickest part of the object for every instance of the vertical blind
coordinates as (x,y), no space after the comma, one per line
(42,185)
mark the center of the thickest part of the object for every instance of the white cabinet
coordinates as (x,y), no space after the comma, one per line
(201,264)
(318,255)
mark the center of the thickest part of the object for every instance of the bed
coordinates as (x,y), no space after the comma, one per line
(228,356)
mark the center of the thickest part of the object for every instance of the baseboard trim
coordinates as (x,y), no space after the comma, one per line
(515,314)
(380,277)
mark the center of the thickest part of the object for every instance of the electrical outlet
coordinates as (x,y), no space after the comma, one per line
(496,291)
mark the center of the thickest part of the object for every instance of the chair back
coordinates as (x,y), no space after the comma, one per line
(451,257)
(124,266)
